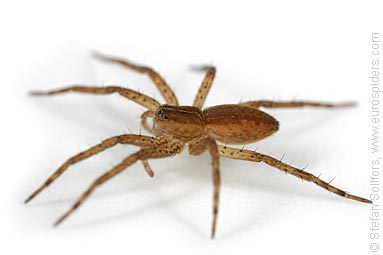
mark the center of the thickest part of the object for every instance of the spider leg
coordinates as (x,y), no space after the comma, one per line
(205,86)
(294,104)
(213,149)
(135,96)
(143,154)
(103,178)
(161,84)
(148,168)
(233,153)
(198,146)
(144,123)
(137,140)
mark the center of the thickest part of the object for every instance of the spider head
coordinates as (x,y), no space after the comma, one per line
(181,122)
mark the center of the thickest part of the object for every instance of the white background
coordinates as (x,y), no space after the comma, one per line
(280,50)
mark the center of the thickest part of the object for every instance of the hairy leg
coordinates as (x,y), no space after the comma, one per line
(213,149)
(205,86)
(161,84)
(293,104)
(234,153)
(143,154)
(103,178)
(135,96)
(196,147)
(138,140)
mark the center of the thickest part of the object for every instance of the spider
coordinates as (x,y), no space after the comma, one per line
(175,127)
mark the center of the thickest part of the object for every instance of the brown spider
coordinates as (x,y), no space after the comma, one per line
(175,127)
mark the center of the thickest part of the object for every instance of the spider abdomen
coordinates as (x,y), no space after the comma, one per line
(236,124)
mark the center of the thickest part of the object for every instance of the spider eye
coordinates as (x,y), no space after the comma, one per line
(162,114)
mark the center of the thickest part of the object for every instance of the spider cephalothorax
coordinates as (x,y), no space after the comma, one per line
(175,127)
(182,122)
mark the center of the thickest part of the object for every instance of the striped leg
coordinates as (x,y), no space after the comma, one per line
(135,96)
(143,154)
(205,86)
(138,140)
(233,153)
(161,84)
(213,149)
(294,104)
